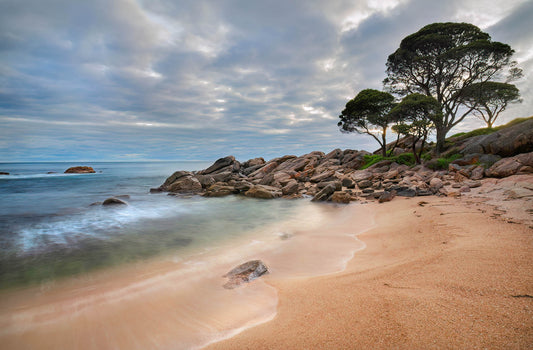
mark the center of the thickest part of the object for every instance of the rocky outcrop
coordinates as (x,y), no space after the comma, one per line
(520,164)
(507,142)
(246,272)
(4,173)
(80,170)
(335,177)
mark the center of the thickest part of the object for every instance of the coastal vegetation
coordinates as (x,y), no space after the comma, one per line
(458,66)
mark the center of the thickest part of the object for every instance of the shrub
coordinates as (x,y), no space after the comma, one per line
(404,158)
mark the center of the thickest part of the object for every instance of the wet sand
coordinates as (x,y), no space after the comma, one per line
(179,302)
(447,274)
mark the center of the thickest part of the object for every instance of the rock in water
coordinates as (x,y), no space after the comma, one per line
(80,170)
(114,201)
(246,272)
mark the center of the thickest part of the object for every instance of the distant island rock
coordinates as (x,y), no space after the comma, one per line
(80,170)
(3,173)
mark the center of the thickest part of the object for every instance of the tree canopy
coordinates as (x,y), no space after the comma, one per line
(488,99)
(416,114)
(443,59)
(368,113)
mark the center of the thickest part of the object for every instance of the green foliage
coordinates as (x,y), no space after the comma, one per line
(404,158)
(366,112)
(488,99)
(441,60)
(443,163)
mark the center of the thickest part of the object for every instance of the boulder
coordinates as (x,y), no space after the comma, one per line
(341,197)
(218,190)
(4,173)
(80,170)
(386,196)
(325,193)
(362,175)
(511,166)
(435,184)
(506,142)
(219,164)
(263,192)
(347,182)
(406,192)
(290,188)
(253,162)
(322,176)
(477,173)
(242,186)
(364,184)
(185,184)
(246,272)
(114,201)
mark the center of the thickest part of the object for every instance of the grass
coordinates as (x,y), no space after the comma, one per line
(443,163)
(404,158)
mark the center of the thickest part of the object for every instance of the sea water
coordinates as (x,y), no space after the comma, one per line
(53,225)
(75,274)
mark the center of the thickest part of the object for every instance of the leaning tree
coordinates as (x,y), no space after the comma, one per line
(368,113)
(443,59)
(488,99)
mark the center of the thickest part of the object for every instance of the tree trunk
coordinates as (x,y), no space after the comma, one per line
(384,145)
(441,138)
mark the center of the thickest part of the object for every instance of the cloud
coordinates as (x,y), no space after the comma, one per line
(158,79)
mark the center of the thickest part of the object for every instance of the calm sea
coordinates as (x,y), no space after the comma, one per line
(50,226)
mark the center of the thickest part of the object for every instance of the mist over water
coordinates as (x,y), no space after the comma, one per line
(49,229)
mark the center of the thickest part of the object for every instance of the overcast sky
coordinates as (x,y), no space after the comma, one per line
(186,80)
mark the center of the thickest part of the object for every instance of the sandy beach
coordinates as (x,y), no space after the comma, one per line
(425,272)
(449,273)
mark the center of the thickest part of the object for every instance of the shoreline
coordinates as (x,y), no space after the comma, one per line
(136,305)
(450,273)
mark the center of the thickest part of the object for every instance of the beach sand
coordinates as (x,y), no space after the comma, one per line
(451,274)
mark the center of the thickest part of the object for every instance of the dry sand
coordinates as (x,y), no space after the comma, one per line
(451,274)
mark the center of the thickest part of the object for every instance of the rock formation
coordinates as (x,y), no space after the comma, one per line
(245,273)
(336,176)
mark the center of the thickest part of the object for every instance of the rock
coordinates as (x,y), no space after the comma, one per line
(386,196)
(341,197)
(263,192)
(185,184)
(114,201)
(511,166)
(173,178)
(219,164)
(477,173)
(205,180)
(218,190)
(368,190)
(253,162)
(407,192)
(290,188)
(80,170)
(472,184)
(507,142)
(323,176)
(360,175)
(435,184)
(246,272)
(364,184)
(3,173)
(464,189)
(156,190)
(324,193)
(347,182)
(243,186)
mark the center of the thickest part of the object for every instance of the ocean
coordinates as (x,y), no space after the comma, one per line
(150,275)
(52,226)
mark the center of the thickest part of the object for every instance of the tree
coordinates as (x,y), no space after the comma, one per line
(416,115)
(488,99)
(368,113)
(443,59)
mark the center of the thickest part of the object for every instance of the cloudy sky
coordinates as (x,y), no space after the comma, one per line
(183,80)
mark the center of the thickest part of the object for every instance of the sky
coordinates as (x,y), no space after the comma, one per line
(130,80)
